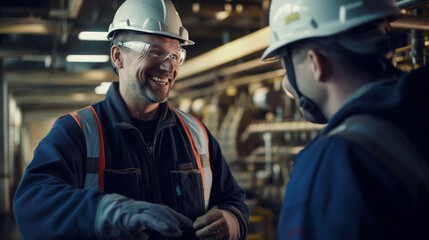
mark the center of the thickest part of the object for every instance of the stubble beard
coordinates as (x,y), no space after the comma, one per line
(145,92)
(151,97)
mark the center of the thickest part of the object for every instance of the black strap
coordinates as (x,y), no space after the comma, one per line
(390,146)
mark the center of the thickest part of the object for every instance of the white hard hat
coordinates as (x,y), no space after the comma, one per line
(294,20)
(150,16)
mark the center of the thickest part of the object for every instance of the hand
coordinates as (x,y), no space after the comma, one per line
(217,224)
(118,216)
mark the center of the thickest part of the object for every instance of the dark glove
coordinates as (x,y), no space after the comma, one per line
(118,216)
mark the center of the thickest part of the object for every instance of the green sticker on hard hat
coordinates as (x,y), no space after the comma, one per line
(292,17)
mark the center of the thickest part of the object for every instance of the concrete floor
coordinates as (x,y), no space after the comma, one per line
(8,228)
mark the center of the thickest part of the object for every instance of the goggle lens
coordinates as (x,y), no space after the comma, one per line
(157,51)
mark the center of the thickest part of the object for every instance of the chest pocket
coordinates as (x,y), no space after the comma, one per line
(95,165)
(199,141)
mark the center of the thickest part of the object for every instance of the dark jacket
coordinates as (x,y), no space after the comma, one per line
(50,202)
(338,190)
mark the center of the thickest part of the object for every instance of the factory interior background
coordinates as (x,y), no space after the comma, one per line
(222,82)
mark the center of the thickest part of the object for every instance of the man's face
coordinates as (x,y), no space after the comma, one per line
(146,78)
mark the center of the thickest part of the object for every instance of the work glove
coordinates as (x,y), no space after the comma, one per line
(217,224)
(121,217)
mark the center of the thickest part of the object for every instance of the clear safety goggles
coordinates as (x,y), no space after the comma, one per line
(157,51)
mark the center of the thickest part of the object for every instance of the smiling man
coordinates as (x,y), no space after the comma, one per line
(130,166)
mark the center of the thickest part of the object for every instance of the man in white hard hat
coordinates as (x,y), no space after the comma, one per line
(130,166)
(365,176)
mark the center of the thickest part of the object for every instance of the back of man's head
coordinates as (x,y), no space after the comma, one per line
(366,48)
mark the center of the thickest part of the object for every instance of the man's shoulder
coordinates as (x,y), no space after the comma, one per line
(326,146)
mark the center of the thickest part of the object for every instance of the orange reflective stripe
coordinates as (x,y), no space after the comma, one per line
(101,156)
(194,148)
(77,118)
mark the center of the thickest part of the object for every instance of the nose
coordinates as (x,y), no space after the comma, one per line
(167,64)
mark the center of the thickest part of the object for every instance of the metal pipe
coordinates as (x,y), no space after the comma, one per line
(417,43)
(416,22)
(279,127)
(268,152)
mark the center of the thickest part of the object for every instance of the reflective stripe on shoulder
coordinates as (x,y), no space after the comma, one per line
(95,158)
(200,145)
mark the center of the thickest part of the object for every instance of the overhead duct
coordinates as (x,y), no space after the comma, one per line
(239,48)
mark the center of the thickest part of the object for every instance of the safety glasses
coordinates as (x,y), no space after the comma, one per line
(157,51)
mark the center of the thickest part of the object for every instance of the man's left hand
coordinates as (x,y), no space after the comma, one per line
(217,224)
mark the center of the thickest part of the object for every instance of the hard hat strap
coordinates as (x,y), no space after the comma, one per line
(306,104)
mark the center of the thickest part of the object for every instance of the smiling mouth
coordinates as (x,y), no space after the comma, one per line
(158,79)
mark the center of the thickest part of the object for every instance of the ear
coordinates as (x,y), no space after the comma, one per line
(318,64)
(116,54)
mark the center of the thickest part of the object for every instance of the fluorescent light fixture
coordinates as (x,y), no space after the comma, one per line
(87,58)
(93,36)
(38,58)
(26,28)
(102,88)
(222,15)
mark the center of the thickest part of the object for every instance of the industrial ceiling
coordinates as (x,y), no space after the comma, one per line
(36,36)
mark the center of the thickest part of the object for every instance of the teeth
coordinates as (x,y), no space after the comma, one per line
(160,80)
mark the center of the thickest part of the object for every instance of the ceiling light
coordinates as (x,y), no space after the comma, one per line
(195,7)
(185,104)
(198,105)
(239,7)
(222,15)
(47,59)
(102,88)
(93,36)
(228,7)
(87,58)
